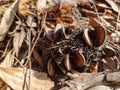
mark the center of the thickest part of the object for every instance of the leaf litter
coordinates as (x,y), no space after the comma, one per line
(57,38)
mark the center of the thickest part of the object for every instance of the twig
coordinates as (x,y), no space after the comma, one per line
(98,16)
(87,80)
(30,65)
(36,40)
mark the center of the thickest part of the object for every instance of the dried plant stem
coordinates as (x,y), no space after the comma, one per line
(30,66)
(35,41)
(98,16)
(18,62)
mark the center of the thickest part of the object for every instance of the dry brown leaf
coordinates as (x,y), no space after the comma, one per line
(107,23)
(113,5)
(15,78)
(102,5)
(108,15)
(3,85)
(18,40)
(22,37)
(7,19)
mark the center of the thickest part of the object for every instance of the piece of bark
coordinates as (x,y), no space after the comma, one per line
(88,80)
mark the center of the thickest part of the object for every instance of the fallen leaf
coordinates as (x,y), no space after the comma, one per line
(15,78)
(113,5)
(22,36)
(8,60)
(18,40)
(102,5)
(3,85)
(7,19)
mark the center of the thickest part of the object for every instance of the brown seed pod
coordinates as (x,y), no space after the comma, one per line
(87,37)
(110,64)
(51,67)
(94,37)
(100,35)
(109,51)
(54,68)
(67,62)
(78,59)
